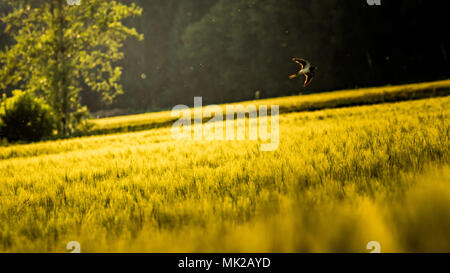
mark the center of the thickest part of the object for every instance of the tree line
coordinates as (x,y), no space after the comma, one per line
(58,50)
(227,50)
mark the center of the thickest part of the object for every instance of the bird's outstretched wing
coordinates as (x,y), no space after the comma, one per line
(308,78)
(293,76)
(301,62)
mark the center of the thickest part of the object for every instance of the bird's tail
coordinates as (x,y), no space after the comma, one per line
(293,76)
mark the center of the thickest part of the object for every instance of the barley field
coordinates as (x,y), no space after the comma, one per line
(340,178)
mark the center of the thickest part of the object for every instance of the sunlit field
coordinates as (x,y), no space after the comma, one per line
(344,98)
(340,178)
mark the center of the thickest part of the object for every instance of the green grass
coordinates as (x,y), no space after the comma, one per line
(340,178)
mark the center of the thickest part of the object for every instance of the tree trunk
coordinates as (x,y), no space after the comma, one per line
(63,104)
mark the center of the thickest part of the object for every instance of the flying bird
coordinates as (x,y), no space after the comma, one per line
(306,69)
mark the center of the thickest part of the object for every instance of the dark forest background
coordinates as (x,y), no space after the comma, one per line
(226,50)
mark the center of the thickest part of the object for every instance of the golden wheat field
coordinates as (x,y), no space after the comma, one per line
(340,178)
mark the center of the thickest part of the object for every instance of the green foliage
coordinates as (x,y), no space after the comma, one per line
(83,125)
(151,67)
(226,50)
(24,117)
(61,49)
(242,46)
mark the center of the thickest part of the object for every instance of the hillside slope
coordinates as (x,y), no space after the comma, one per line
(300,103)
